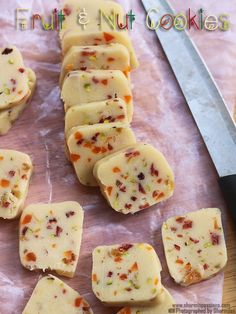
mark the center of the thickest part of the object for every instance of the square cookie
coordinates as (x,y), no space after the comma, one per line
(15,173)
(53,296)
(134,178)
(194,245)
(50,237)
(127,274)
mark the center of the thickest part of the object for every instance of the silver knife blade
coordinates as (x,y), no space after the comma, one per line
(200,91)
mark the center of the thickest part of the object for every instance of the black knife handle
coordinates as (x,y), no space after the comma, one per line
(228,187)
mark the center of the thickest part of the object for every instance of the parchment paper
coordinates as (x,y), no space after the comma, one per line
(161,118)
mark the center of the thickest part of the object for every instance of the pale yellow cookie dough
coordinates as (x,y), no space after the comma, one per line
(88,144)
(13,77)
(15,173)
(194,245)
(53,296)
(108,111)
(98,31)
(127,274)
(50,237)
(104,57)
(135,178)
(10,115)
(82,87)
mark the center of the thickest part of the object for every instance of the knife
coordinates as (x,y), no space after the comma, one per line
(203,98)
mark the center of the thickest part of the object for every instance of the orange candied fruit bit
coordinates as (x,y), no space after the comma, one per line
(118,259)
(69,67)
(127,98)
(121,117)
(1,157)
(78,136)
(30,257)
(110,59)
(4,183)
(134,267)
(78,301)
(156,281)
(108,37)
(216,226)
(96,150)
(87,145)
(74,157)
(109,190)
(116,169)
(104,82)
(179,261)
(27,219)
(95,279)
(127,71)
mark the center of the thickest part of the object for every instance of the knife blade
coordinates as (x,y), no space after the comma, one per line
(203,98)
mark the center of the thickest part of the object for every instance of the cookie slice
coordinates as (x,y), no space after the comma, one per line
(50,237)
(102,57)
(88,144)
(134,178)
(108,111)
(82,87)
(53,296)
(13,77)
(100,25)
(10,115)
(194,246)
(15,173)
(127,274)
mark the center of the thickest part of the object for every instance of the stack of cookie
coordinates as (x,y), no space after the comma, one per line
(98,102)
(17,84)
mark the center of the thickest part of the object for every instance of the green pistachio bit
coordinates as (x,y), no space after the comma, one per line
(87,87)
(10,61)
(207,244)
(7,91)
(109,283)
(154,291)
(92,58)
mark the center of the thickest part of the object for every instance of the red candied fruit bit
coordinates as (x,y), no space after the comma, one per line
(179,219)
(125,247)
(30,257)
(215,238)
(144,206)
(123,277)
(141,189)
(58,231)
(21,70)
(154,172)
(108,37)
(78,302)
(205,266)
(187,224)
(194,240)
(177,247)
